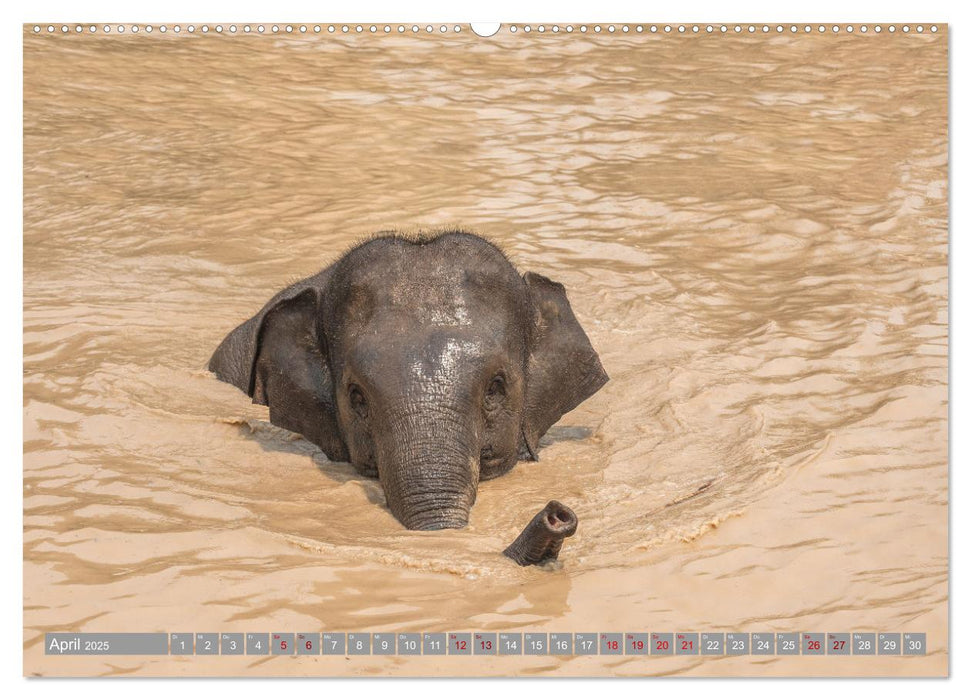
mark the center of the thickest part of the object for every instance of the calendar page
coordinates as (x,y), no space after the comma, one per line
(438,349)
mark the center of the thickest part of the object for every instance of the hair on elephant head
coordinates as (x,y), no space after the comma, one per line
(429,363)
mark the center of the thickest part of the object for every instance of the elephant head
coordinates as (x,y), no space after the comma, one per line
(429,363)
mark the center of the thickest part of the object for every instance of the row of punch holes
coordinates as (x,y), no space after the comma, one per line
(481,30)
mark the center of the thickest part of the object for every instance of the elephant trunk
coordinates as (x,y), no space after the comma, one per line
(428,468)
(542,538)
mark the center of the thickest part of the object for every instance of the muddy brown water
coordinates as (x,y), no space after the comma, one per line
(752,230)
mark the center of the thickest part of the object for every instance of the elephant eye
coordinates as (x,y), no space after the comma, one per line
(497,388)
(358,402)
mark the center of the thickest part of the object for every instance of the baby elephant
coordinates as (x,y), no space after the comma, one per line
(540,541)
(427,362)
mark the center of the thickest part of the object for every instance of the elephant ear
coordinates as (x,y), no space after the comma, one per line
(279,358)
(564,369)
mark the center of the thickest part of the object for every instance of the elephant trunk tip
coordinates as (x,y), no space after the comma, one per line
(542,538)
(560,520)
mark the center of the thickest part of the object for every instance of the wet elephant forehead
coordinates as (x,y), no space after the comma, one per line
(449,297)
(449,357)
(436,302)
(432,289)
(429,353)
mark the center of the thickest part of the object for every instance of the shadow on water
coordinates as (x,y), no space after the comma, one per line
(275,439)
(565,433)
(272,438)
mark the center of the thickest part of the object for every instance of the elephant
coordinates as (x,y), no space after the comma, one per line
(541,539)
(427,361)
